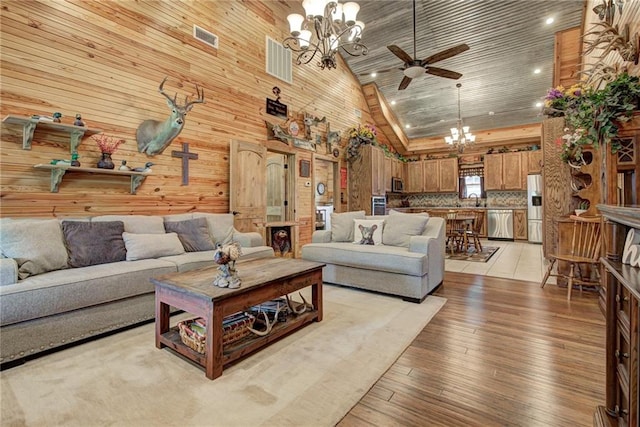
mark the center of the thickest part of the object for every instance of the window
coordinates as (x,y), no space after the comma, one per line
(472,186)
(471,182)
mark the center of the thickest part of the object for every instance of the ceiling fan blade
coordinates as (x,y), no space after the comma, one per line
(445,54)
(441,72)
(404,83)
(400,53)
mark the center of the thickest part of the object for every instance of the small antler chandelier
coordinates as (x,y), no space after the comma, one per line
(327,27)
(461,136)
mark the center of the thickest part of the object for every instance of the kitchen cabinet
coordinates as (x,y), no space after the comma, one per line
(393,168)
(440,175)
(414,182)
(504,171)
(520,225)
(367,178)
(534,162)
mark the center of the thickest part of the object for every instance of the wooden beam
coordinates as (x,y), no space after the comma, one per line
(384,118)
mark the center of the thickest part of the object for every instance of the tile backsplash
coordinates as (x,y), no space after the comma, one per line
(516,199)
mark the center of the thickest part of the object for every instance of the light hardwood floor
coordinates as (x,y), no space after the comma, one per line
(501,352)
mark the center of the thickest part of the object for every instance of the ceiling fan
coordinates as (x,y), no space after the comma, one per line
(413,67)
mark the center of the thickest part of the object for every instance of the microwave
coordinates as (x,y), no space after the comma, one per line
(397,186)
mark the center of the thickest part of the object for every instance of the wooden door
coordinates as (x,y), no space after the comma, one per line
(534,162)
(493,172)
(448,170)
(414,177)
(388,173)
(377,172)
(247,185)
(512,176)
(431,177)
(520,226)
(276,187)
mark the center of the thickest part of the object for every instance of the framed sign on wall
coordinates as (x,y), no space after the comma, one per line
(343,178)
(305,168)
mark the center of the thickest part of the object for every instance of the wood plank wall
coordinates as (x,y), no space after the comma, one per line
(105,60)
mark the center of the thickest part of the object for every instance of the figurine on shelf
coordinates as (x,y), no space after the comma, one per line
(74,159)
(124,167)
(145,168)
(56,117)
(64,162)
(78,121)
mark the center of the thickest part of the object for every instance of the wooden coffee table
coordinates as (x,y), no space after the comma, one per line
(262,280)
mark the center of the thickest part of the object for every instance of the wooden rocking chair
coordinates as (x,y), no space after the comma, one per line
(585,250)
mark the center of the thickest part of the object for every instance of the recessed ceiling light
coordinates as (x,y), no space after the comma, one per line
(491,113)
(538,104)
(537,71)
(393,102)
(407,126)
(374,74)
(549,21)
(441,120)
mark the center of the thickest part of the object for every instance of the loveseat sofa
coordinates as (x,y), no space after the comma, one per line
(399,254)
(63,281)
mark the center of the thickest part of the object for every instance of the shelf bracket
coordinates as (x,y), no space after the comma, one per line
(76,137)
(28,128)
(56,179)
(136,181)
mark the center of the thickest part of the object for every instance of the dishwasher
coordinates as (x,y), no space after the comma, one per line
(500,224)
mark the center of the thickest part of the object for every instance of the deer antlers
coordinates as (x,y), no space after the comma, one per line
(188,105)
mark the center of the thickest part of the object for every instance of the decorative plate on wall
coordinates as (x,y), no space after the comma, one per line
(321,188)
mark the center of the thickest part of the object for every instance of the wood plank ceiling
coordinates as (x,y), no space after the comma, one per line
(508,39)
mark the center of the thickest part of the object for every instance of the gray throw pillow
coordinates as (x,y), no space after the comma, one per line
(342,225)
(92,243)
(193,234)
(399,227)
(37,246)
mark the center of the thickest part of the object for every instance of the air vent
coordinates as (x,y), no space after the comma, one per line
(205,36)
(279,61)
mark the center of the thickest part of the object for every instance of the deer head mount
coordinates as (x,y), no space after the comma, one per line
(154,136)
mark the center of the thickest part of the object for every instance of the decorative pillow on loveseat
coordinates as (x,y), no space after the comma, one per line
(143,246)
(92,243)
(342,225)
(37,246)
(368,231)
(400,227)
(193,233)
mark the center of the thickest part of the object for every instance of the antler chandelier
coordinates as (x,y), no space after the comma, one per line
(326,27)
(461,135)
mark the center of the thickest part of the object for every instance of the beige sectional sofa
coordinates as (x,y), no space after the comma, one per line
(405,259)
(62,281)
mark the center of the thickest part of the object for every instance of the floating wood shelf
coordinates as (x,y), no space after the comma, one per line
(29,124)
(58,171)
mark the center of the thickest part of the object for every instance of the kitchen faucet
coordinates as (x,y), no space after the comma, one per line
(477,197)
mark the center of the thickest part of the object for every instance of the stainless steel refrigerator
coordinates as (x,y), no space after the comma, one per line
(534,211)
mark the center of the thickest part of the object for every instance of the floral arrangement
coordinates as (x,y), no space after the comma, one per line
(559,99)
(107,144)
(592,115)
(358,136)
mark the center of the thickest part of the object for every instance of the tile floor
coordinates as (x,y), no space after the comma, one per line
(514,260)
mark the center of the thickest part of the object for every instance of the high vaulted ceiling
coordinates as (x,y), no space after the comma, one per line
(507,39)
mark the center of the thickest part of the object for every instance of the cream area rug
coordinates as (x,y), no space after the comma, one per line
(311,378)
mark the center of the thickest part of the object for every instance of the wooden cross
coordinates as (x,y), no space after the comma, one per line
(186,156)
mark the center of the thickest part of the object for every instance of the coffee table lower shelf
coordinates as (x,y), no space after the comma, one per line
(243,347)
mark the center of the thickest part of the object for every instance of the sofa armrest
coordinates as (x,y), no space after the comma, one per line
(248,239)
(8,271)
(434,248)
(321,236)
